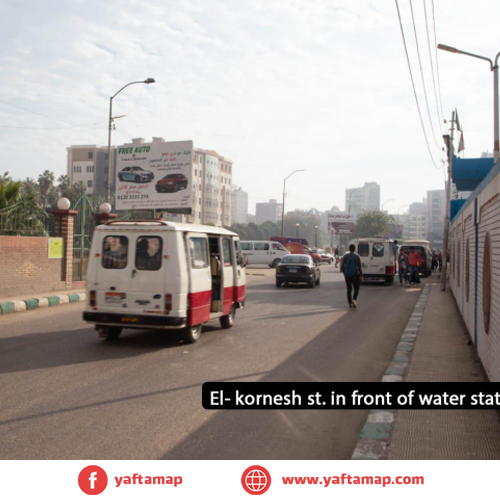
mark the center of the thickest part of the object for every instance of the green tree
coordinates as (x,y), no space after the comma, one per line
(46,182)
(373,223)
(10,192)
(30,187)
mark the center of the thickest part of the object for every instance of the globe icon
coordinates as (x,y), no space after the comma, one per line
(256,480)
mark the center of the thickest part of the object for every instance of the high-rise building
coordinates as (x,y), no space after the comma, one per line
(364,198)
(271,211)
(436,212)
(239,206)
(417,222)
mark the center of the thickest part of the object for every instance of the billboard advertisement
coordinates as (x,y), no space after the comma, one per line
(341,223)
(157,175)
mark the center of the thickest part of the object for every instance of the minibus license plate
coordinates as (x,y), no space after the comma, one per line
(292,269)
(114,297)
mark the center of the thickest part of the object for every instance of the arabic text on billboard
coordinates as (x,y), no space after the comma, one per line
(341,223)
(155,176)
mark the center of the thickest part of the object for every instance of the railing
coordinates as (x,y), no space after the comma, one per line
(26,218)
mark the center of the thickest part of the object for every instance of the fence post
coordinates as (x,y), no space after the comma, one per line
(64,227)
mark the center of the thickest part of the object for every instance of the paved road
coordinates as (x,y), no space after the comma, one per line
(65,394)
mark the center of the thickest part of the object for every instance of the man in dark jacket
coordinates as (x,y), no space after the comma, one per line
(353,274)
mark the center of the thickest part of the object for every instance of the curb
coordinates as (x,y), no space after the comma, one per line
(373,441)
(36,303)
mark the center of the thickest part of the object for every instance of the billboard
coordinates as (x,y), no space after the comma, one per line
(157,175)
(341,223)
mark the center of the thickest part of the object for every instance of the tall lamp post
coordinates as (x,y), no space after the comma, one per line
(110,126)
(494,68)
(297,231)
(386,201)
(284,184)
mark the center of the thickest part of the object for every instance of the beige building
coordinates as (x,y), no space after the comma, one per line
(88,164)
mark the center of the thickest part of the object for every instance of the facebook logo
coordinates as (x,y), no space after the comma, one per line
(93,480)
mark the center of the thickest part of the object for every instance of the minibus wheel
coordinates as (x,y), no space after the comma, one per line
(275,263)
(109,332)
(228,321)
(191,334)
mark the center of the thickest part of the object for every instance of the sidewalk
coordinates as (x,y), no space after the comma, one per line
(438,349)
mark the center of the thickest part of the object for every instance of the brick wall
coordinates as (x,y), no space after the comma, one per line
(25,267)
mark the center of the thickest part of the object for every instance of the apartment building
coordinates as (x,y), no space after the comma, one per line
(363,198)
(271,211)
(436,212)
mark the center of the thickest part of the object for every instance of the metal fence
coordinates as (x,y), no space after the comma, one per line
(26,218)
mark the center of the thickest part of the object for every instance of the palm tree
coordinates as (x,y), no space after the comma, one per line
(30,187)
(63,182)
(46,181)
(10,191)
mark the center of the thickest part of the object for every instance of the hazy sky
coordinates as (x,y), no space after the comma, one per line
(274,85)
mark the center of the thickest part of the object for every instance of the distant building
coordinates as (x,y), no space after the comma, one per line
(89,165)
(436,212)
(239,206)
(364,198)
(271,211)
(416,229)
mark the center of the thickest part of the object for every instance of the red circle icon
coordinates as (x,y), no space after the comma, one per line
(256,480)
(92,480)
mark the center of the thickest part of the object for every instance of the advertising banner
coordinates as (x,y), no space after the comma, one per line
(155,176)
(341,223)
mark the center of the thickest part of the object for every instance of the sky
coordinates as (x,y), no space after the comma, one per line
(275,86)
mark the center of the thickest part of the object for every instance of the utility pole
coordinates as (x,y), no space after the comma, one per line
(448,139)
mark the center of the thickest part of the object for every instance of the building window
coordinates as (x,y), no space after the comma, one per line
(89,184)
(487,282)
(91,155)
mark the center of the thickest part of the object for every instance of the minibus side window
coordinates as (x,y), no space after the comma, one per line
(378,249)
(114,252)
(148,253)
(363,249)
(261,246)
(198,251)
(226,251)
(246,246)
(278,246)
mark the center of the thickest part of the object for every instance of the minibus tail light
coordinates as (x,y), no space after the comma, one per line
(168,302)
(92,298)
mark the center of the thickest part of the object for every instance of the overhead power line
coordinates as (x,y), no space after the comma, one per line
(432,67)
(437,63)
(413,85)
(422,77)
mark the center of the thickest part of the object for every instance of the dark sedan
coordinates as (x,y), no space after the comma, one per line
(298,268)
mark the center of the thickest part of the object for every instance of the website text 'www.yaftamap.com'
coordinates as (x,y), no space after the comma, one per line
(348,479)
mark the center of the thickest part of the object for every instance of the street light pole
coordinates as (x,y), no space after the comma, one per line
(297,232)
(494,68)
(386,201)
(283,207)
(110,127)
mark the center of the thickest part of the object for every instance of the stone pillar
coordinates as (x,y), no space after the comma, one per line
(64,227)
(103,218)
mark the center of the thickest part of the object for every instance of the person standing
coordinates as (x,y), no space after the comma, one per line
(434,260)
(350,266)
(336,255)
(440,260)
(395,249)
(403,266)
(415,263)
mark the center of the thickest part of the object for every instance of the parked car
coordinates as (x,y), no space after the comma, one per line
(298,268)
(325,256)
(135,174)
(172,183)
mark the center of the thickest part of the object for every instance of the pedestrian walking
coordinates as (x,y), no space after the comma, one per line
(395,249)
(415,263)
(403,267)
(350,266)
(440,260)
(336,255)
(434,260)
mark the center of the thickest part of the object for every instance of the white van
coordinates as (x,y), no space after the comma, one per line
(377,258)
(163,275)
(267,253)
